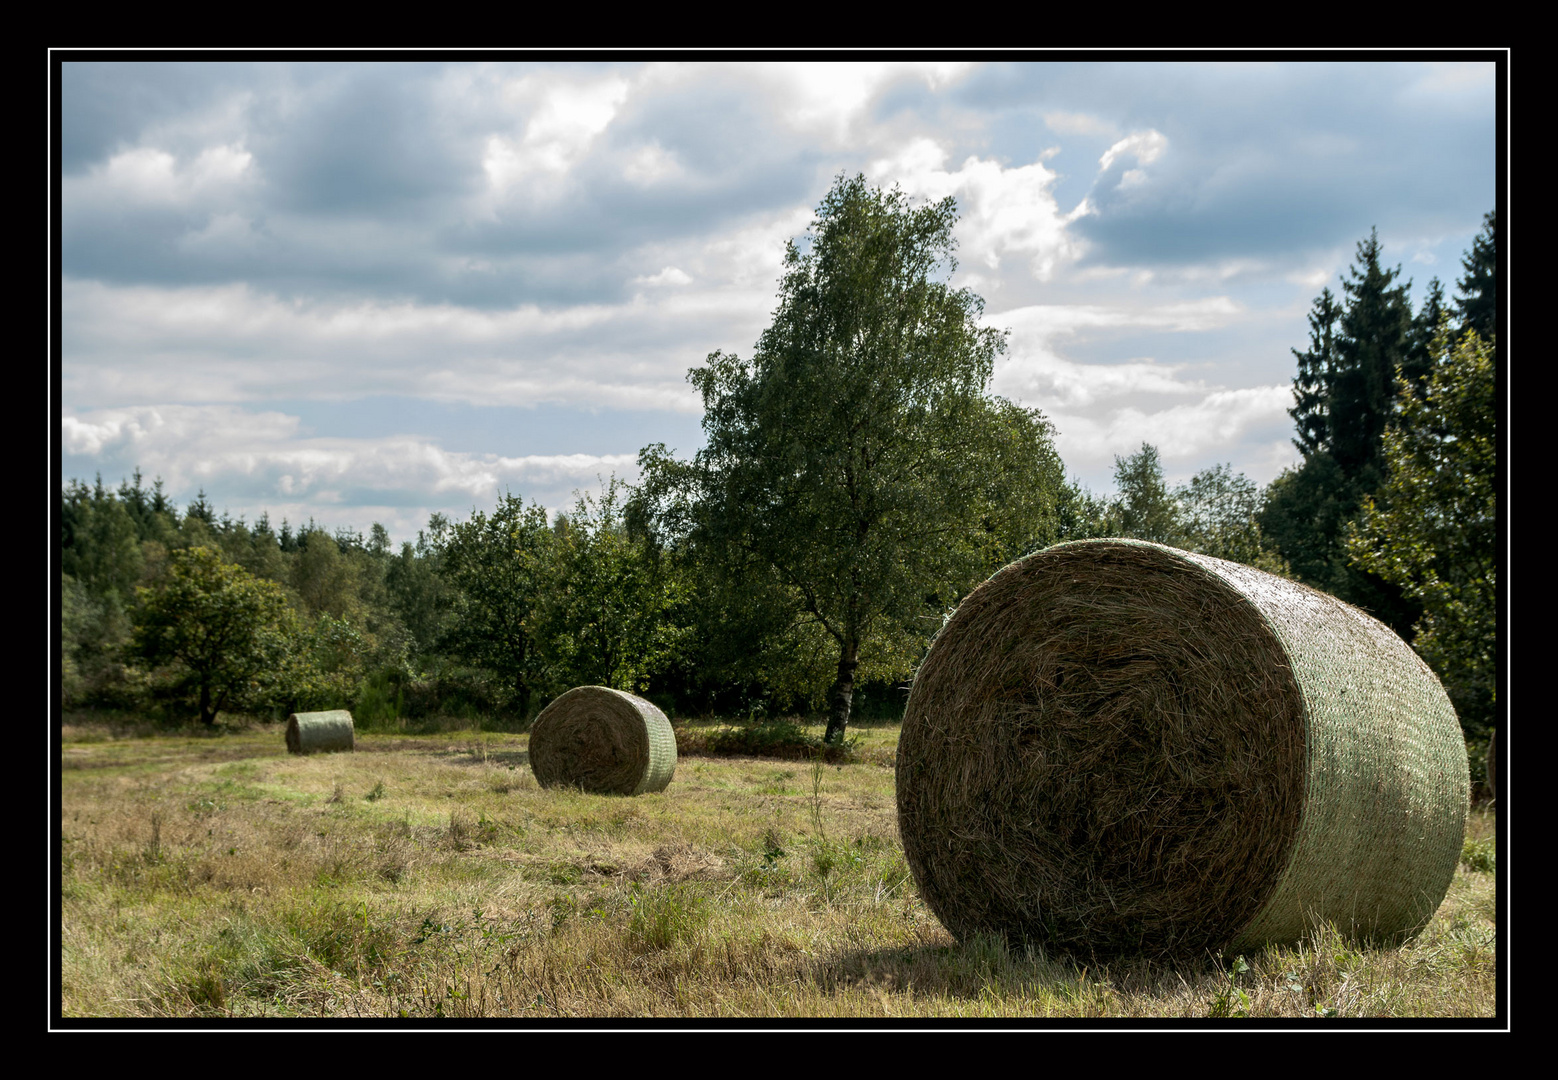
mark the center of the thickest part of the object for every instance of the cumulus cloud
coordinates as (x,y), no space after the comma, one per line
(231,343)
(1078,123)
(1003,210)
(831,99)
(670,275)
(237,238)
(562,117)
(257,461)
(1248,425)
(1035,372)
(1145,146)
(153,177)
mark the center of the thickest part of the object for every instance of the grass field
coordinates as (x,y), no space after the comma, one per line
(428,876)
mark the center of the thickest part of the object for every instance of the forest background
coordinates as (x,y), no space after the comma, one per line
(190,614)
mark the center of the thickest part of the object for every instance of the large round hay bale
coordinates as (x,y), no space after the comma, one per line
(315,732)
(1118,748)
(604,741)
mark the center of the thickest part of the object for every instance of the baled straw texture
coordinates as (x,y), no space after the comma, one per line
(1119,748)
(316,732)
(604,741)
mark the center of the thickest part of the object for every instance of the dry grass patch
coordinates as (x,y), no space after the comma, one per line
(433,878)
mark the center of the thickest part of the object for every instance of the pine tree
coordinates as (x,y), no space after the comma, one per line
(1344,395)
(1477,306)
(1316,366)
(1376,334)
(1425,327)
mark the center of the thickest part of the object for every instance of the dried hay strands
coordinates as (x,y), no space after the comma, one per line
(604,741)
(316,732)
(1119,748)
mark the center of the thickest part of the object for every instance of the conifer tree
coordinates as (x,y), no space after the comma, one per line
(1477,305)
(1344,395)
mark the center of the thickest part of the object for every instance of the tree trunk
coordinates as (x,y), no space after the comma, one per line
(207,712)
(843,692)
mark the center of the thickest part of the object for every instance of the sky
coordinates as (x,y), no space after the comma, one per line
(365,292)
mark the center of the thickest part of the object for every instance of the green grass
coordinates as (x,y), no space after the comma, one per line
(429,876)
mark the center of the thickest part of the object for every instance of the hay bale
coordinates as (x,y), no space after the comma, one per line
(317,732)
(603,740)
(1118,748)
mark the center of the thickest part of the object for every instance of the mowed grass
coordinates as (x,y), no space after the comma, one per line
(429,876)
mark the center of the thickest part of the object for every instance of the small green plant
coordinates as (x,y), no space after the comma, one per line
(816,797)
(153,851)
(377,793)
(1230,1001)
(662,917)
(773,847)
(1479,856)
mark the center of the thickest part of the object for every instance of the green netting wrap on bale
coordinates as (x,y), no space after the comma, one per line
(1118,748)
(315,732)
(603,740)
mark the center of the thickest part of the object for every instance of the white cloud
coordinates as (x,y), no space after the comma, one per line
(1189,435)
(152,177)
(1454,77)
(231,343)
(1076,123)
(652,164)
(827,99)
(1001,210)
(397,480)
(1146,146)
(668,276)
(563,115)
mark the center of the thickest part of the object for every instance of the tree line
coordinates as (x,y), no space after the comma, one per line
(858,479)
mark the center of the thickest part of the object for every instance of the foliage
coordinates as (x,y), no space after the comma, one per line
(100,543)
(854,468)
(606,620)
(769,737)
(1432,527)
(1219,512)
(496,569)
(1344,394)
(221,633)
(1479,856)
(327,665)
(1477,306)
(1144,507)
(1215,513)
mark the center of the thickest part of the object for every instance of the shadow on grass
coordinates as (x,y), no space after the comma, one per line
(984,969)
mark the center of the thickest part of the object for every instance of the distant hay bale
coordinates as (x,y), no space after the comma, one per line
(1118,748)
(316,732)
(604,741)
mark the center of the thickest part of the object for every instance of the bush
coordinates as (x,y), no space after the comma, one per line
(777,738)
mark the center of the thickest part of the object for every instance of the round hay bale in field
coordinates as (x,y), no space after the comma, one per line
(1118,748)
(315,732)
(604,741)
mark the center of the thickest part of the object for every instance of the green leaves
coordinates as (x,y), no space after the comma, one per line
(855,470)
(607,616)
(220,633)
(1432,528)
(496,568)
